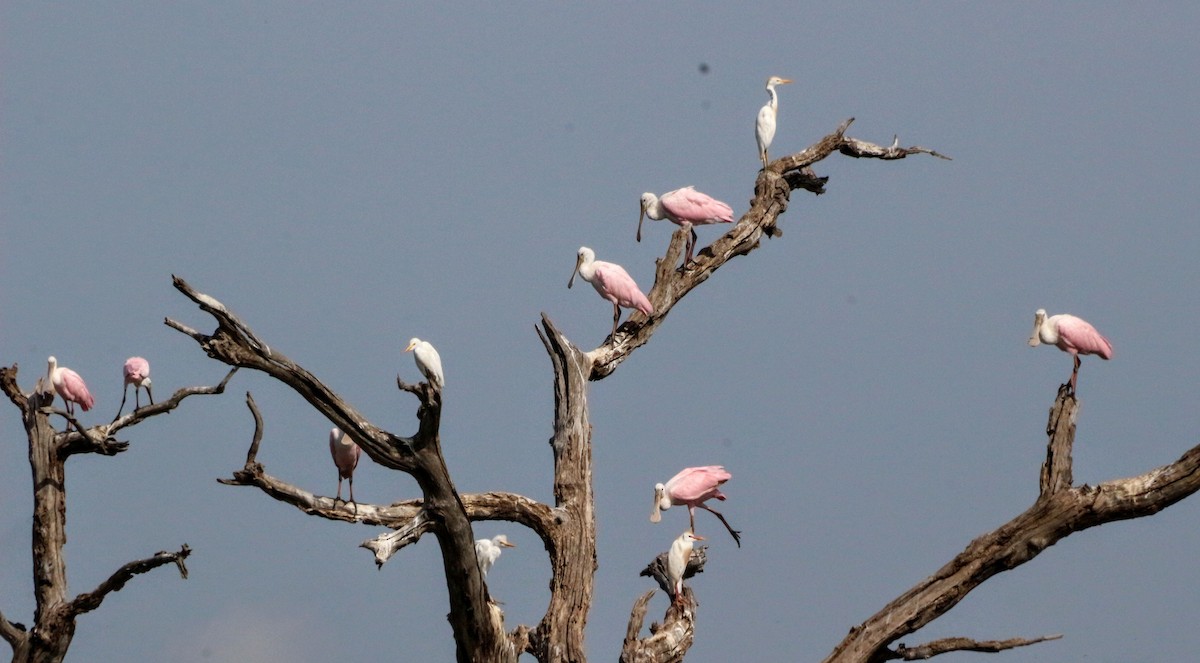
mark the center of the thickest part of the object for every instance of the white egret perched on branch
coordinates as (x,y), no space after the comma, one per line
(765,129)
(428,361)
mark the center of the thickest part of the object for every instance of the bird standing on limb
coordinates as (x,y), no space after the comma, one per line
(677,561)
(137,373)
(70,386)
(612,282)
(685,208)
(345,457)
(429,362)
(764,130)
(1072,335)
(488,551)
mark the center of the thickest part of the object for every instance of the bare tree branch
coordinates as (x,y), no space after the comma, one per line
(478,629)
(1060,510)
(771,196)
(89,601)
(12,632)
(931,649)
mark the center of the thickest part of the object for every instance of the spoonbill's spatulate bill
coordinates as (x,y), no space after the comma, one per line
(612,282)
(137,373)
(684,207)
(693,486)
(677,561)
(345,457)
(69,386)
(429,362)
(764,130)
(488,551)
(1072,335)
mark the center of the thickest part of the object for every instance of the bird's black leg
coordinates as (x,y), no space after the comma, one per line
(1075,374)
(150,394)
(736,534)
(616,317)
(122,408)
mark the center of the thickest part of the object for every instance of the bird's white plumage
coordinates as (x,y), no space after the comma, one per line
(677,561)
(429,362)
(764,130)
(488,551)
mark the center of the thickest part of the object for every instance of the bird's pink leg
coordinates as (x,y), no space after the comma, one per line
(339,493)
(736,534)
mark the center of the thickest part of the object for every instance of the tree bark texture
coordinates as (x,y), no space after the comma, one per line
(55,613)
(568,526)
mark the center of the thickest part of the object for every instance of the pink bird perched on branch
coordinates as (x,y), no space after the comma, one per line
(685,208)
(70,386)
(1070,334)
(693,486)
(137,373)
(612,282)
(345,456)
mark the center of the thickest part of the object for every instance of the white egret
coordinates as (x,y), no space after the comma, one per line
(765,129)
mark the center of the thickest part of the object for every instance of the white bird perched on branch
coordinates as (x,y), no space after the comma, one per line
(428,361)
(488,551)
(765,129)
(677,561)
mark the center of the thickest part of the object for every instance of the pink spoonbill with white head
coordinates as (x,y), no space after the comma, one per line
(693,486)
(612,282)
(1072,335)
(70,386)
(685,208)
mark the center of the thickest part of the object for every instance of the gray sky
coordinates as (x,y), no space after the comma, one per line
(345,179)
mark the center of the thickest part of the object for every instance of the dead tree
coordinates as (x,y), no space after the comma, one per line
(567,527)
(55,612)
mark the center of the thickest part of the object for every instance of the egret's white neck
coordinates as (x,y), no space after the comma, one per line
(774,102)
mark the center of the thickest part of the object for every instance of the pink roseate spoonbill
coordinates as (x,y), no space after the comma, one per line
(488,551)
(137,373)
(685,208)
(612,282)
(1071,334)
(764,130)
(69,386)
(677,561)
(693,486)
(345,456)
(428,361)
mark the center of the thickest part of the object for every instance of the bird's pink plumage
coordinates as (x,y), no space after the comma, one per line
(694,485)
(688,205)
(1078,336)
(71,387)
(617,286)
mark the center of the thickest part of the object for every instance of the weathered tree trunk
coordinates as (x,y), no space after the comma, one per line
(49,449)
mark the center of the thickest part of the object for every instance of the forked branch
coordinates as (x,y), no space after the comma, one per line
(89,601)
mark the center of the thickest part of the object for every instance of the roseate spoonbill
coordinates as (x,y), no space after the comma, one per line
(1070,334)
(612,282)
(69,386)
(488,551)
(345,456)
(137,373)
(677,561)
(765,129)
(684,207)
(693,486)
(428,361)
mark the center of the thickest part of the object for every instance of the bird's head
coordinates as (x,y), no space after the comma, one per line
(776,80)
(583,255)
(648,200)
(502,541)
(412,343)
(1039,318)
(660,503)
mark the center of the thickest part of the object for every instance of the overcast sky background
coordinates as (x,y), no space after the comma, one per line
(346,177)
